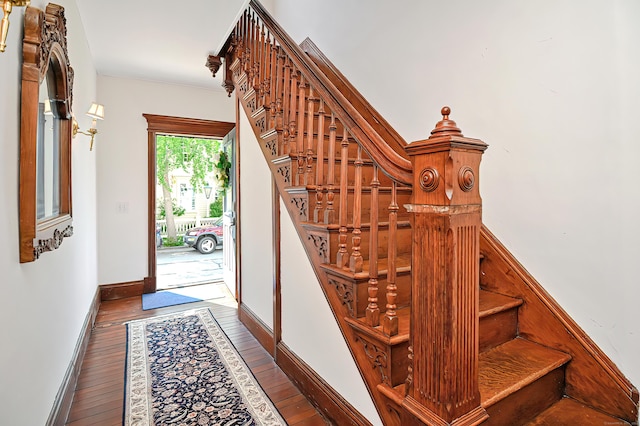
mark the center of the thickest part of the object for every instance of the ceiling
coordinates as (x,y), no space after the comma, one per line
(159,40)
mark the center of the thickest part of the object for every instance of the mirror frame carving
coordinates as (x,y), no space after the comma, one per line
(44,46)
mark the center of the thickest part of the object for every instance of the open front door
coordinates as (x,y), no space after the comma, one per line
(229,221)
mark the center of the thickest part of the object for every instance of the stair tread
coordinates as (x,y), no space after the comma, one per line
(569,412)
(492,303)
(513,365)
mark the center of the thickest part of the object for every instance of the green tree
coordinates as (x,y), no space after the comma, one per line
(193,155)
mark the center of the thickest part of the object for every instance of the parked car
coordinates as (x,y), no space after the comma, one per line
(205,238)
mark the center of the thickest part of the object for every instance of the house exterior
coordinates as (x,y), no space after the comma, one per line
(552,87)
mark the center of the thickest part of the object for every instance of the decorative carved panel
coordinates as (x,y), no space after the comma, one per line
(377,357)
(285,172)
(345,291)
(320,242)
(301,204)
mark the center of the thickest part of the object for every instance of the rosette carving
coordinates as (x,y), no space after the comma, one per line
(429,179)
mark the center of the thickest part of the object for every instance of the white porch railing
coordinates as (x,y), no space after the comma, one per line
(182,225)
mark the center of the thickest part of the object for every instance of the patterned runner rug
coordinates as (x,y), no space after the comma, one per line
(183,370)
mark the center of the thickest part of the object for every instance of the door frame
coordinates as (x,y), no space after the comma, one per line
(168,125)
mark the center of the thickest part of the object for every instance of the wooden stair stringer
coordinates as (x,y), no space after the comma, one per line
(591,377)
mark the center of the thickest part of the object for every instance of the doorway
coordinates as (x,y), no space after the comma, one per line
(188,196)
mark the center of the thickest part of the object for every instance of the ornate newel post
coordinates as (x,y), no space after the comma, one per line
(446,216)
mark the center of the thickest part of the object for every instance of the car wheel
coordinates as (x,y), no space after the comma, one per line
(206,245)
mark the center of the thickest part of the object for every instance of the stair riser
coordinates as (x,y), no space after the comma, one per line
(498,328)
(523,405)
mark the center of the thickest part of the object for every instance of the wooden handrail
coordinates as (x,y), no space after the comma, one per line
(394,164)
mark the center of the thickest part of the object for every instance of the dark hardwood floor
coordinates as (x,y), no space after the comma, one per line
(99,395)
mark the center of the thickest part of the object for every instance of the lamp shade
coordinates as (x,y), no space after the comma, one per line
(96,111)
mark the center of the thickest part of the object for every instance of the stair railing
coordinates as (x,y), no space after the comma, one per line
(290,91)
(299,101)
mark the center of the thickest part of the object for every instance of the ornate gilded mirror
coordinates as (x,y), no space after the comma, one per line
(45,133)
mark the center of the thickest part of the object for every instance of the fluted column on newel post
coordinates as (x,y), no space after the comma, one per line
(446,216)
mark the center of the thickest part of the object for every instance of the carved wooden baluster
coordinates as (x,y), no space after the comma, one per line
(329,212)
(279,122)
(293,147)
(257,73)
(273,78)
(390,320)
(286,100)
(245,42)
(302,87)
(373,311)
(317,212)
(342,258)
(355,261)
(264,80)
(310,111)
(250,50)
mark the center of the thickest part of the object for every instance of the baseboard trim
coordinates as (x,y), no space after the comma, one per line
(64,398)
(259,329)
(330,403)
(121,290)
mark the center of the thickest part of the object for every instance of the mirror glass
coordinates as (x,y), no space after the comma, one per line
(48,155)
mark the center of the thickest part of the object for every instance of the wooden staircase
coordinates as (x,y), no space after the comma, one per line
(350,186)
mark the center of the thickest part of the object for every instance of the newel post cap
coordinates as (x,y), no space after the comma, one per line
(445,126)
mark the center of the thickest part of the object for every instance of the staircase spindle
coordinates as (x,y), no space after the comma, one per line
(390,320)
(293,90)
(264,78)
(245,41)
(300,176)
(257,62)
(317,212)
(310,111)
(373,311)
(355,261)
(342,257)
(286,98)
(272,83)
(250,48)
(329,213)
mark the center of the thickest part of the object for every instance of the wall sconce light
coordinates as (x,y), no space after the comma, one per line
(96,111)
(7,7)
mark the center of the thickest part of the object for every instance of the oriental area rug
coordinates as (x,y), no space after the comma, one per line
(181,369)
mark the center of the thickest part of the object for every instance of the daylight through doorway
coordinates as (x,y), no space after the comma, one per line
(192,180)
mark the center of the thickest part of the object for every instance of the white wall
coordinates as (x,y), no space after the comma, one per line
(255,224)
(43,304)
(305,312)
(121,150)
(552,87)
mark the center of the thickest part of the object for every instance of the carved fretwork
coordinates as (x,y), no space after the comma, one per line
(261,124)
(52,243)
(244,86)
(251,104)
(285,172)
(345,291)
(272,146)
(301,204)
(377,357)
(320,241)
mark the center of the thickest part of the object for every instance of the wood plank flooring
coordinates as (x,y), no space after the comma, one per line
(99,394)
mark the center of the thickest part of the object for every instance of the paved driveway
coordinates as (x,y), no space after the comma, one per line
(181,266)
